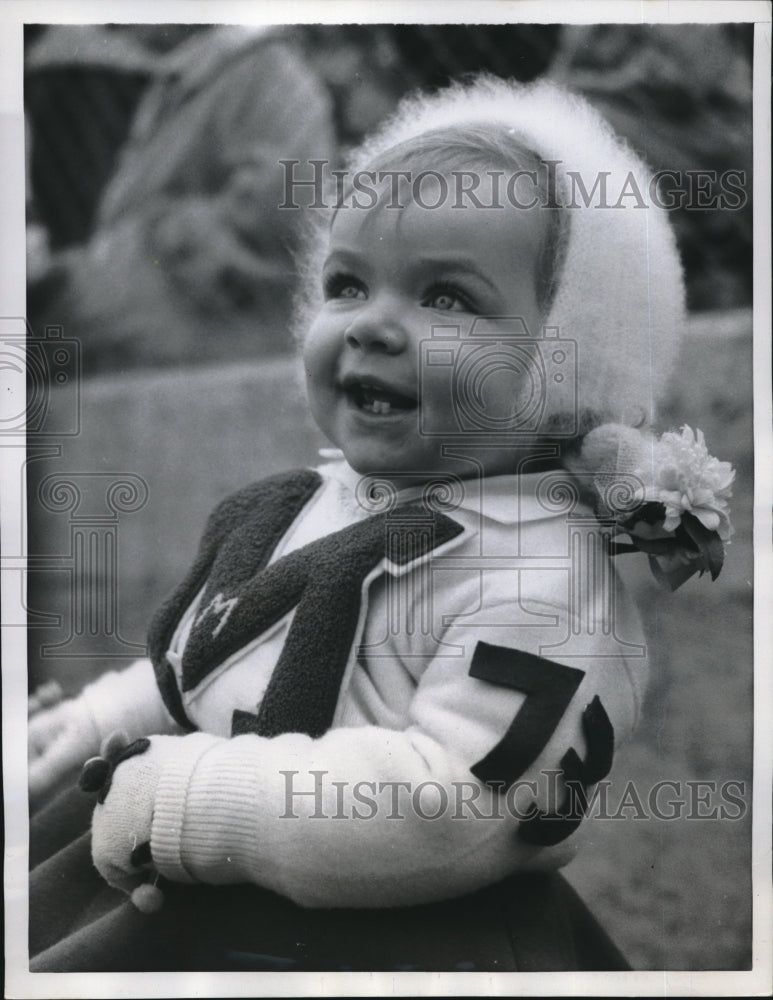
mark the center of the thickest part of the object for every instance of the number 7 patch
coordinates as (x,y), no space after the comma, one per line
(549,687)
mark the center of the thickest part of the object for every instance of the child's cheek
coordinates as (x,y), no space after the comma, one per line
(317,353)
(480,389)
(319,363)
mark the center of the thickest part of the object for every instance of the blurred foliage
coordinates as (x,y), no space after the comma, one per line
(682,97)
(679,94)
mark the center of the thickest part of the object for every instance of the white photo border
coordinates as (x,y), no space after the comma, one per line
(19,982)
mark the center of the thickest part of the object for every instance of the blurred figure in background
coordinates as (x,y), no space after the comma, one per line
(82,86)
(683,101)
(190,247)
(191,259)
(368,67)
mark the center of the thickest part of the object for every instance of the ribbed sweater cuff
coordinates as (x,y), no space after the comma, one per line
(171,802)
(225,827)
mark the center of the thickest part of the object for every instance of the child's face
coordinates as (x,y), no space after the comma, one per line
(390,275)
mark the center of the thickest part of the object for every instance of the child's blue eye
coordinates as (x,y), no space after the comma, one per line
(343,286)
(447,298)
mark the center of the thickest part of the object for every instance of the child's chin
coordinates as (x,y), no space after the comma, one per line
(374,466)
(375,470)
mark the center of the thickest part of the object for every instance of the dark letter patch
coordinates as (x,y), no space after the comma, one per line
(551,828)
(548,686)
(323,582)
(245,595)
(261,513)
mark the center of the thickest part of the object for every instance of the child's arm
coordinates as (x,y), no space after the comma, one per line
(64,736)
(347,819)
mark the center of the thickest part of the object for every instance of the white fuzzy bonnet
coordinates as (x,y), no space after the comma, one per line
(620,294)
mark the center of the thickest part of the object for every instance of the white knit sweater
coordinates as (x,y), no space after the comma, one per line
(326,821)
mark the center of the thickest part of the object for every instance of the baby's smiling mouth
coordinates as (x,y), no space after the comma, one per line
(374,396)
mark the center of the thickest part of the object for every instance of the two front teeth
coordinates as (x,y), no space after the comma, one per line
(377,400)
(379,406)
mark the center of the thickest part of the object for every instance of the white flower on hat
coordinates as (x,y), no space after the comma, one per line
(668,494)
(688,479)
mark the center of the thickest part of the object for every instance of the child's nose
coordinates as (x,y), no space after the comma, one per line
(377,327)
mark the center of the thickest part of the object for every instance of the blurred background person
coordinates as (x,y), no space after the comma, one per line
(190,257)
(81,90)
(155,235)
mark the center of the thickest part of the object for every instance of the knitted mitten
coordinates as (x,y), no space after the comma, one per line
(126,779)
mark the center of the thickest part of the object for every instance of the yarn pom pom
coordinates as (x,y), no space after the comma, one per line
(148,898)
(610,449)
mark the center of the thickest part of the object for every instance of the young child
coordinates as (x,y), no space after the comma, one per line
(379,701)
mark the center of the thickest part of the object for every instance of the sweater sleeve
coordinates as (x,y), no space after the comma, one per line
(129,700)
(370,816)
